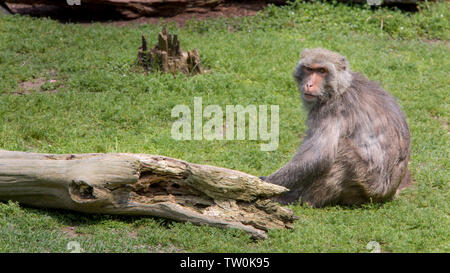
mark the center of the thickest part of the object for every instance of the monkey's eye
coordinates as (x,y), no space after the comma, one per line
(307,69)
(322,70)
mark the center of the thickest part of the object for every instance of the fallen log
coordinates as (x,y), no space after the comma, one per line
(133,8)
(142,184)
(4,9)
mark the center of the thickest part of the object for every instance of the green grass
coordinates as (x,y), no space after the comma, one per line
(105,104)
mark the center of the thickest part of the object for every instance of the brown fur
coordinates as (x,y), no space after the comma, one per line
(357,146)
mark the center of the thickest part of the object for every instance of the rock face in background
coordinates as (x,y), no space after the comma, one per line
(165,8)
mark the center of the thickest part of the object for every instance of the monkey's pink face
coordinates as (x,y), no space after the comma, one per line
(313,81)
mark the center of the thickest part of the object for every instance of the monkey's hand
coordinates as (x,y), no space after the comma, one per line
(263,178)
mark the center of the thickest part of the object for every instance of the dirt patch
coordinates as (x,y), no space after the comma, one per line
(71,231)
(30,86)
(133,234)
(35,85)
(74,14)
(438,42)
(47,83)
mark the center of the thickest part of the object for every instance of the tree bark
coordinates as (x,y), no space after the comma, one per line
(167,56)
(141,184)
(135,8)
(4,9)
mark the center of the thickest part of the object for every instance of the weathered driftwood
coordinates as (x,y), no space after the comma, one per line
(141,184)
(167,56)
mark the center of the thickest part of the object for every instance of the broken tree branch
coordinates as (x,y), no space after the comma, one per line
(141,184)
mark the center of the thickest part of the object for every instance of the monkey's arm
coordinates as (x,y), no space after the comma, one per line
(315,155)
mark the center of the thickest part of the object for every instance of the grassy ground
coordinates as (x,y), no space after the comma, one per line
(104,104)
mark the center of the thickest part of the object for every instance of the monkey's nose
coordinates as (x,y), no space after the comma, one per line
(309,88)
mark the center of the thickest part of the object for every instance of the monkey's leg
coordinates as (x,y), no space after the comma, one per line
(327,192)
(406,181)
(320,193)
(336,187)
(290,197)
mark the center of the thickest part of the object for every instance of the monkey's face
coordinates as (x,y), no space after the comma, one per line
(312,80)
(321,75)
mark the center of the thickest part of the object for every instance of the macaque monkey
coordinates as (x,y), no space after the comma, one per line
(357,145)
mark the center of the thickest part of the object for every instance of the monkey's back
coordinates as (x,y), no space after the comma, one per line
(375,140)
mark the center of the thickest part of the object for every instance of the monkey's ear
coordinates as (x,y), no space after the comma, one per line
(344,63)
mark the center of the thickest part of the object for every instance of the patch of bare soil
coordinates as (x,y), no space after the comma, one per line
(35,85)
(78,14)
(438,42)
(71,231)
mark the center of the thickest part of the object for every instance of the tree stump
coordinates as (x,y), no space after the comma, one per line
(167,56)
(141,184)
